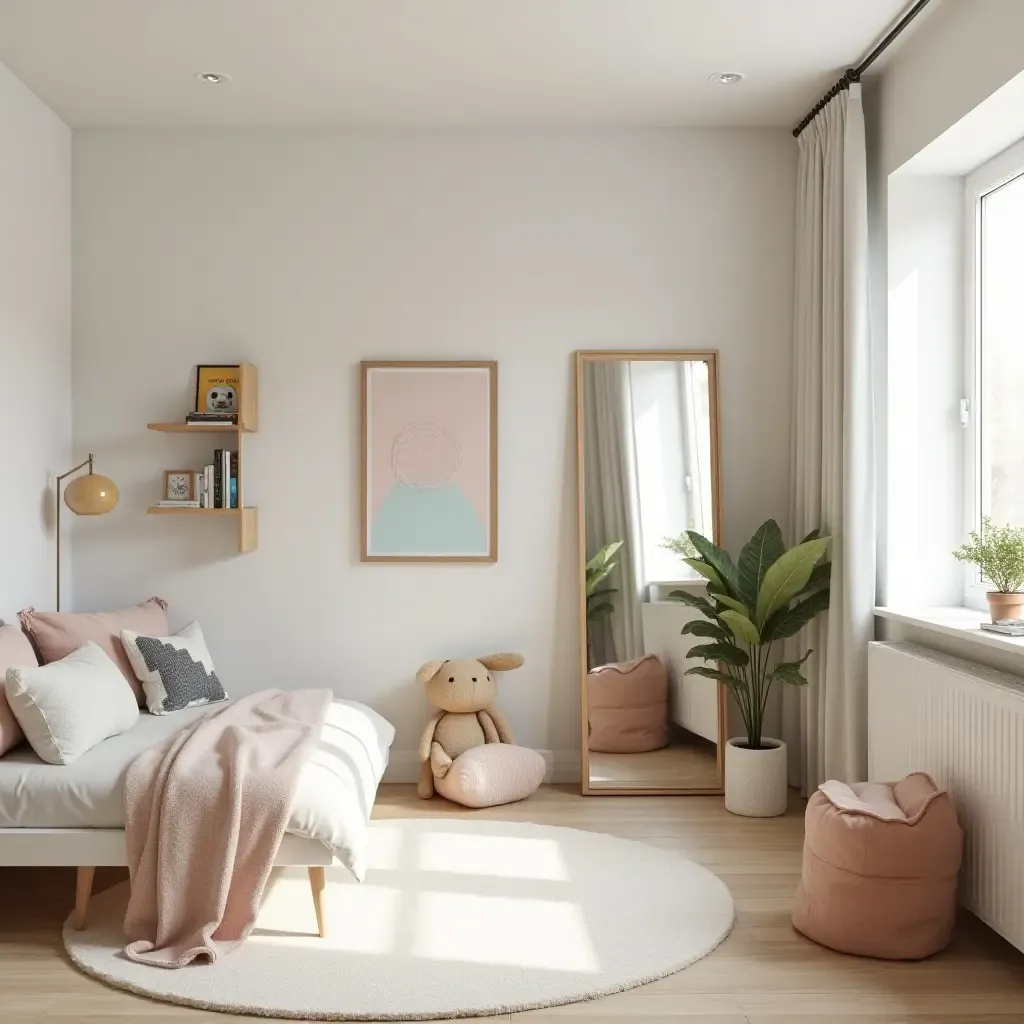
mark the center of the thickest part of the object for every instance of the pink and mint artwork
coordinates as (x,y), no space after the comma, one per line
(430,461)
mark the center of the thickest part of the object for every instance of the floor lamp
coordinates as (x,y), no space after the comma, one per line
(89,495)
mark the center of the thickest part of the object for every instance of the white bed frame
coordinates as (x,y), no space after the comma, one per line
(105,847)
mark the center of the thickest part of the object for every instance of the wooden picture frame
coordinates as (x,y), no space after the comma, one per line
(186,492)
(429,461)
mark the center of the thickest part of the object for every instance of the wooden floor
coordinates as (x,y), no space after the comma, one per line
(690,766)
(764,972)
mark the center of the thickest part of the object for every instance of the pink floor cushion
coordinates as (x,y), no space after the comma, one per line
(627,706)
(879,868)
(496,773)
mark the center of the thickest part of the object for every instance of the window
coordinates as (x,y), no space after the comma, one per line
(995,352)
(672,441)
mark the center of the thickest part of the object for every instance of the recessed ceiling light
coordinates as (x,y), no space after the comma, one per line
(726,78)
(211,77)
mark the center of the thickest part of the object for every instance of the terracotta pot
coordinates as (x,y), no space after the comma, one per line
(1005,606)
(755,780)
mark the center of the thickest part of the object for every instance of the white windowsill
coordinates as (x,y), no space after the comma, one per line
(959,623)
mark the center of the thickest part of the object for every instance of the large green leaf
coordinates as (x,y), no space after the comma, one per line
(600,610)
(787,577)
(702,604)
(727,652)
(718,559)
(813,535)
(763,550)
(702,627)
(820,575)
(714,673)
(730,602)
(742,627)
(605,555)
(707,571)
(787,622)
(597,576)
(603,592)
(789,672)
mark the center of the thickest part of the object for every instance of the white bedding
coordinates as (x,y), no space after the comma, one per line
(332,803)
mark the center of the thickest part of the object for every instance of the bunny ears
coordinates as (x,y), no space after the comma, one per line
(504,662)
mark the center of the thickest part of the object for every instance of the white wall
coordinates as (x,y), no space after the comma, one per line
(35,339)
(305,252)
(962,53)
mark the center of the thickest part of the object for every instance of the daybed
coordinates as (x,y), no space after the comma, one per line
(73,815)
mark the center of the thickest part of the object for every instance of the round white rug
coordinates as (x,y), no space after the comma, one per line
(456,918)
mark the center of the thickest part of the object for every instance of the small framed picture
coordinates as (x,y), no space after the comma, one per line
(179,485)
(218,389)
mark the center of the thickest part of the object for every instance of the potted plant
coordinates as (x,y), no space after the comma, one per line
(749,607)
(599,568)
(998,551)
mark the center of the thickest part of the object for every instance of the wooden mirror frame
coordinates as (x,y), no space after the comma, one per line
(709,356)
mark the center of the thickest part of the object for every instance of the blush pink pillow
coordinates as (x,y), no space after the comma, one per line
(15,652)
(496,773)
(58,634)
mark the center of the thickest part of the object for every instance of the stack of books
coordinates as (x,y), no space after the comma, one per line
(217,485)
(177,503)
(198,419)
(1005,627)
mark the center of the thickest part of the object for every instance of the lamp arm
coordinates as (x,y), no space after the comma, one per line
(81,465)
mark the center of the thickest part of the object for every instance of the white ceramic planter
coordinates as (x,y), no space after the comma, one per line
(756,780)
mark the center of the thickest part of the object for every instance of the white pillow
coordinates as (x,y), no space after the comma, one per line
(176,671)
(67,707)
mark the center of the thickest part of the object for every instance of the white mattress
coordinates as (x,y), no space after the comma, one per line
(332,804)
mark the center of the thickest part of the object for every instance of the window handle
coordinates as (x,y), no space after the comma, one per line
(965,412)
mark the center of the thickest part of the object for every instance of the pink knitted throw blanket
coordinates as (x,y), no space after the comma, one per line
(204,817)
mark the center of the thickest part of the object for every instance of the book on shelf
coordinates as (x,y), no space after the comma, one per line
(208,486)
(218,477)
(225,476)
(1005,627)
(183,503)
(233,487)
(215,418)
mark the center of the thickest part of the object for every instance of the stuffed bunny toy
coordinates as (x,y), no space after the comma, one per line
(462,690)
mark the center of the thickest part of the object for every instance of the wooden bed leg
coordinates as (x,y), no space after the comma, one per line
(83,890)
(317,883)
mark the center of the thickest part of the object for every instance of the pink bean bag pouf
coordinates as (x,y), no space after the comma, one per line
(627,706)
(879,868)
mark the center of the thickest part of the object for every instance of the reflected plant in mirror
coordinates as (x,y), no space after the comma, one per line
(599,568)
(769,596)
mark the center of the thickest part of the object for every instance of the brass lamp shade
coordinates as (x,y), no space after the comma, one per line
(91,495)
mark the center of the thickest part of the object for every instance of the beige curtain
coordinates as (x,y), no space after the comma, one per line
(610,504)
(825,724)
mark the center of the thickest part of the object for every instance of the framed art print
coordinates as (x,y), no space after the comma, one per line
(430,462)
(218,389)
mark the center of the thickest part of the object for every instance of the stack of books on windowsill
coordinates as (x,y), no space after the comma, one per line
(217,484)
(1005,627)
(200,419)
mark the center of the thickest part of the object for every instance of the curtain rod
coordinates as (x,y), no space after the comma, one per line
(853,74)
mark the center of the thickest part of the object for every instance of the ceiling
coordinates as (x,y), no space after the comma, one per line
(435,62)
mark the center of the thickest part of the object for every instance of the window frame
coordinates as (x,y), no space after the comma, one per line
(985,179)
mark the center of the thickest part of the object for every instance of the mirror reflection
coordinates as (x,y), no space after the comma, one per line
(648,472)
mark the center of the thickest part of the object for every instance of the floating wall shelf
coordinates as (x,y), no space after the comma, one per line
(247,424)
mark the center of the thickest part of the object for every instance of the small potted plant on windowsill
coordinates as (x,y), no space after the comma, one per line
(770,595)
(998,551)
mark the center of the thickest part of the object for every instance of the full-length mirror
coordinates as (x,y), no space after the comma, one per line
(647,426)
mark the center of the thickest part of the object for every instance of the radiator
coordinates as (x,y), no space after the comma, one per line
(963,724)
